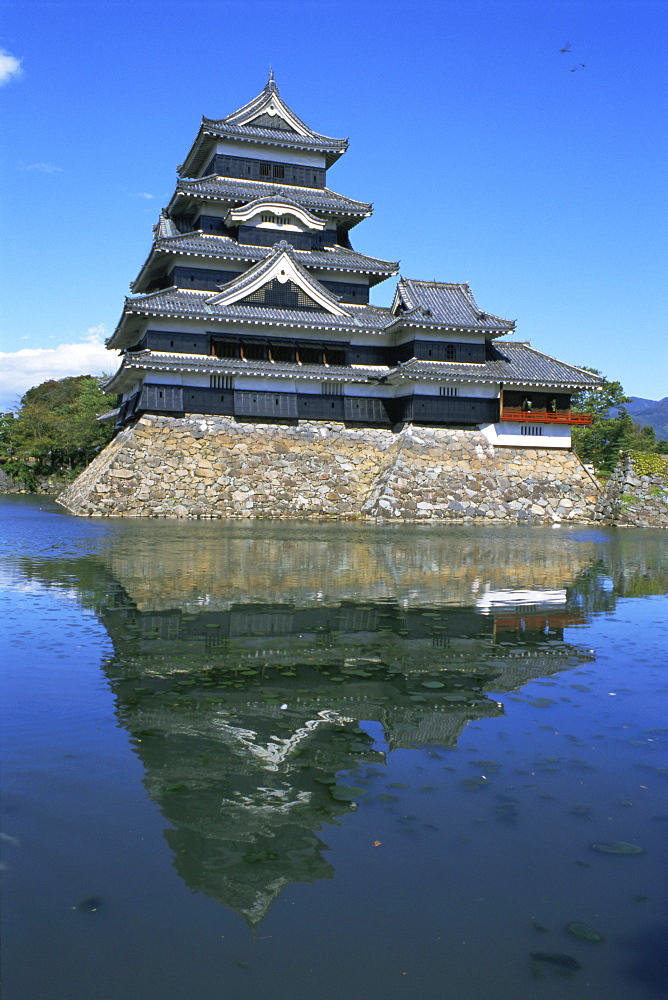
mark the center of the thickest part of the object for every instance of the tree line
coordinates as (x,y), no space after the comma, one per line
(56,432)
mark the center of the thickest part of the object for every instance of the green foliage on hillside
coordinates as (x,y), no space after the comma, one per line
(55,431)
(607,437)
(645,464)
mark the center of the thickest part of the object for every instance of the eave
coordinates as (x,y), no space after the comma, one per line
(209,133)
(134,365)
(140,309)
(250,254)
(237,191)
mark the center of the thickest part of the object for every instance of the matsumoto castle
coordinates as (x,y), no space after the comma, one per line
(252,304)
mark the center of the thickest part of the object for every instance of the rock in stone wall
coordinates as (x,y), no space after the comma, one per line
(635,498)
(202,466)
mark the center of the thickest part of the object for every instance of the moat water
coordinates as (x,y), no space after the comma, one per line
(287,761)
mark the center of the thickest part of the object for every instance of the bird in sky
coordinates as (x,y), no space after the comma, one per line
(566,48)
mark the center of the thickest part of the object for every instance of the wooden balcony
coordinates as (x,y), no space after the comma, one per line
(535,416)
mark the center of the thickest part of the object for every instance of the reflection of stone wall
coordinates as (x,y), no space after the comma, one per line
(163,564)
(218,467)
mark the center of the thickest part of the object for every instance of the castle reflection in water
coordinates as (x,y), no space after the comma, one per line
(246,658)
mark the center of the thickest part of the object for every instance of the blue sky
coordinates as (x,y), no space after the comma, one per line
(490,156)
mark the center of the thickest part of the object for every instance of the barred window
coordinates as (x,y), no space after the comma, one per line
(279,170)
(265,170)
(285,294)
(221,382)
(332,388)
(450,352)
(448,390)
(533,430)
(266,217)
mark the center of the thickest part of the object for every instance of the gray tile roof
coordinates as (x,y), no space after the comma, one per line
(513,364)
(270,96)
(233,191)
(275,136)
(336,258)
(443,304)
(158,361)
(291,133)
(181,303)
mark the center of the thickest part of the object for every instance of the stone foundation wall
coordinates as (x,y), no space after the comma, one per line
(634,498)
(219,467)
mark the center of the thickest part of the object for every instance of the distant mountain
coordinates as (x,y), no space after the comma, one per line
(649,413)
(638,404)
(653,415)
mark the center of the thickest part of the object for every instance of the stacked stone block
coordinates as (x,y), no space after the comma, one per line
(202,466)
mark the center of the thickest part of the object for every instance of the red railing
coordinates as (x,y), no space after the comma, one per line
(545,417)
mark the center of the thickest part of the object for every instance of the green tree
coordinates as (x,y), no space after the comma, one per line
(56,430)
(612,431)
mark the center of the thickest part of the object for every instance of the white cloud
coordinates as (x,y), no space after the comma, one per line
(21,370)
(10,67)
(43,168)
(145,194)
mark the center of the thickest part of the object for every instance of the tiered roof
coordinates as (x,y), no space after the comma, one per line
(234,191)
(266,120)
(168,239)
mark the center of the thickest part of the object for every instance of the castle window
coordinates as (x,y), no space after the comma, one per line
(448,390)
(284,353)
(254,351)
(532,430)
(450,352)
(266,217)
(332,388)
(279,170)
(265,170)
(221,382)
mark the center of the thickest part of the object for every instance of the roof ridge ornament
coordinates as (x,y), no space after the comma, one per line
(284,247)
(271,82)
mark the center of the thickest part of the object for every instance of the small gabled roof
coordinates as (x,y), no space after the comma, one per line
(266,120)
(283,267)
(235,191)
(444,305)
(510,364)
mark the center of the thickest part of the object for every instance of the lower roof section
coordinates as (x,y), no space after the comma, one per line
(516,364)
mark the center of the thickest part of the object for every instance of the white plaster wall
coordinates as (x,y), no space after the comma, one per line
(211,263)
(166,378)
(264,384)
(353,279)
(446,337)
(255,151)
(477,391)
(508,435)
